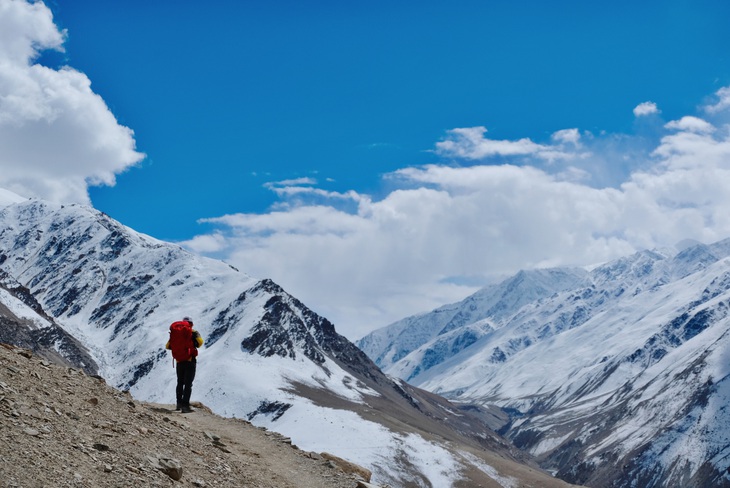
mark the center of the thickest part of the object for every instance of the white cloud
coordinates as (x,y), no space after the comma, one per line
(303,188)
(469,143)
(723,102)
(26,28)
(443,226)
(693,151)
(645,108)
(206,244)
(570,136)
(58,136)
(292,182)
(303,220)
(690,124)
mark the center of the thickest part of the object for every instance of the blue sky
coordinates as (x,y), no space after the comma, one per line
(226,96)
(331,145)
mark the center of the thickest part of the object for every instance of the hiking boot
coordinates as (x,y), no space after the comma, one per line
(186,409)
(178,407)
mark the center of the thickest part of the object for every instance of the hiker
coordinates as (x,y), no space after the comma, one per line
(184,343)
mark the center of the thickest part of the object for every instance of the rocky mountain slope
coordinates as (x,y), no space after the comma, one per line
(23,322)
(268,359)
(618,377)
(62,428)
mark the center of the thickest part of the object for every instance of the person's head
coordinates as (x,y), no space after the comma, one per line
(187,319)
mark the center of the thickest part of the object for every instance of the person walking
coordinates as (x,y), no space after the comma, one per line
(184,343)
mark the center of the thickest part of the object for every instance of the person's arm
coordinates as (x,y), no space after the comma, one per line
(197,340)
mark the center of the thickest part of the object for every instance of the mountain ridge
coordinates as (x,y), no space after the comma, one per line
(487,304)
(603,381)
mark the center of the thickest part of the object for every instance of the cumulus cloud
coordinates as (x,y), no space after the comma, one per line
(26,29)
(690,124)
(58,136)
(446,228)
(645,108)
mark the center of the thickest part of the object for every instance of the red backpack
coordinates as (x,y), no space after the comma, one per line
(181,341)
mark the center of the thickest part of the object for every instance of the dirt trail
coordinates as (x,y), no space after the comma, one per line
(264,451)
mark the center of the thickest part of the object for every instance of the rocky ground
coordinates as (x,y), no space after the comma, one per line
(63,428)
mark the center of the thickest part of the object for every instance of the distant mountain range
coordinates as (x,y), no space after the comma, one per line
(617,376)
(79,287)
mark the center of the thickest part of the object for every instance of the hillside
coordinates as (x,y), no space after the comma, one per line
(62,427)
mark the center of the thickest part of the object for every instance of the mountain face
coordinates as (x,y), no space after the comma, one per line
(614,377)
(453,328)
(24,323)
(267,358)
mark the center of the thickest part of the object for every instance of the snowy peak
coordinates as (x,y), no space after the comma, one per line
(526,287)
(393,343)
(7,197)
(697,258)
(286,327)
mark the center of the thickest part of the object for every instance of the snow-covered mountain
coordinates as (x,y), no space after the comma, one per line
(457,326)
(614,377)
(267,357)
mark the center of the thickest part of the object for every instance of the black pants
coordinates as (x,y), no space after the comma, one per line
(185,377)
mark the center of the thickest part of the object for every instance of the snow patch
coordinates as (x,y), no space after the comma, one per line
(22,311)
